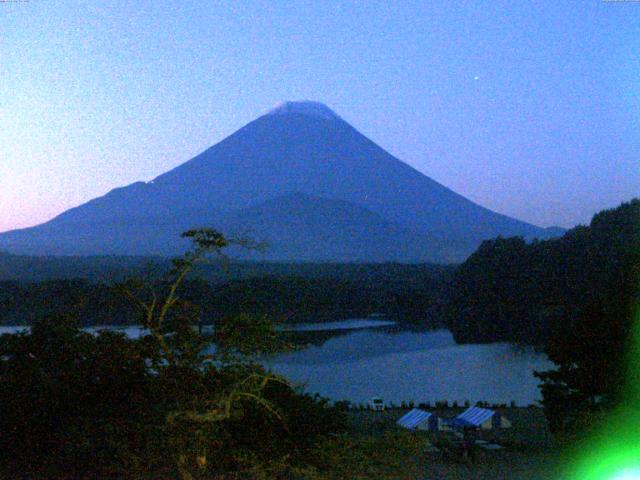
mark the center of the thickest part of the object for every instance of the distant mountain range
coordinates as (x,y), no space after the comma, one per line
(299,178)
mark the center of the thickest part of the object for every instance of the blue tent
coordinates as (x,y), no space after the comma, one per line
(477,417)
(418,419)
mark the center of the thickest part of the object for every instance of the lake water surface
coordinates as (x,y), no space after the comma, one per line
(414,366)
(365,361)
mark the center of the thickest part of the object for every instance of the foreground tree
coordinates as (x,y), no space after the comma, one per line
(77,405)
(494,295)
(593,342)
(73,403)
(574,295)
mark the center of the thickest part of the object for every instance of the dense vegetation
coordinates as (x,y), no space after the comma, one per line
(409,293)
(510,290)
(592,346)
(77,405)
(575,295)
(109,268)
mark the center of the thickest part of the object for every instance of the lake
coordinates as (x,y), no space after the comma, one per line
(414,366)
(365,358)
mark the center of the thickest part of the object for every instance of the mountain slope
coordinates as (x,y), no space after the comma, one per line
(304,228)
(300,147)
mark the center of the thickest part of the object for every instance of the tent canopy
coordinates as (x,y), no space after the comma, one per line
(414,418)
(474,417)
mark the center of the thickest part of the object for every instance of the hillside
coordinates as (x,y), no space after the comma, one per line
(509,290)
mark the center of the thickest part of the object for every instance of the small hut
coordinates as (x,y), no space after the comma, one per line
(481,418)
(418,419)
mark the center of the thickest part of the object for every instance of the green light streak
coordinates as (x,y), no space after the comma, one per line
(628,474)
(613,453)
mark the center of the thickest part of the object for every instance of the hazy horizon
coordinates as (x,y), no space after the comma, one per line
(529,109)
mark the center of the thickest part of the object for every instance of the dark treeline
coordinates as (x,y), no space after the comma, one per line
(407,298)
(111,268)
(510,290)
(407,293)
(26,268)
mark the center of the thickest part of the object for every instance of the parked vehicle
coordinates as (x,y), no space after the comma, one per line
(376,404)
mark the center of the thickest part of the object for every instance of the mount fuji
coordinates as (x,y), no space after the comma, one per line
(299,178)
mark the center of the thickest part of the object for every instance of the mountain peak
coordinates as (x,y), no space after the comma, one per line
(305,107)
(360,199)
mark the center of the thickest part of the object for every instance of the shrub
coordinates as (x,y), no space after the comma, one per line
(391,456)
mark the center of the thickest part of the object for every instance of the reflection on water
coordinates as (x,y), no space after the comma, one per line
(358,364)
(414,366)
(131,331)
(351,324)
(136,331)
(13,329)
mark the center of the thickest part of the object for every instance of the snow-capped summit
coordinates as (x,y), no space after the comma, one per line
(305,107)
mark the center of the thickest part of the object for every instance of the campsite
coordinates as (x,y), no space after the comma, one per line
(528,451)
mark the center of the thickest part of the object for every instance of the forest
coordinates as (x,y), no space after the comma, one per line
(510,290)
(78,405)
(306,293)
(577,297)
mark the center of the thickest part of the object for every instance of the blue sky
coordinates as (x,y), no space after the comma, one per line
(529,108)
